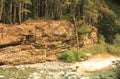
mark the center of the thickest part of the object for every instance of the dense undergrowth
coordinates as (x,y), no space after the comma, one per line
(109,35)
(75,55)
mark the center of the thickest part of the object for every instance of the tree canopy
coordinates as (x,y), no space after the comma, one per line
(17,11)
(94,12)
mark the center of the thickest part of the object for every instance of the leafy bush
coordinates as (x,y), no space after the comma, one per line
(116,41)
(101,39)
(72,56)
(113,49)
(96,49)
(84,29)
(106,24)
(65,17)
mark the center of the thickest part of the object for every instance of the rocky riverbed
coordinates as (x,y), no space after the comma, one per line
(96,63)
(96,67)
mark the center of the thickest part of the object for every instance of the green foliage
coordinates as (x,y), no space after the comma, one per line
(27,2)
(96,49)
(113,6)
(108,22)
(66,17)
(105,74)
(101,39)
(113,49)
(72,56)
(84,29)
(107,26)
(86,10)
(14,73)
(116,8)
(117,69)
(116,41)
(108,30)
(90,12)
(118,25)
(29,20)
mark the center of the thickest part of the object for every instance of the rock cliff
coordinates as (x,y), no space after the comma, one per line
(38,41)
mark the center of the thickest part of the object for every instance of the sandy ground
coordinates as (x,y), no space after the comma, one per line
(97,62)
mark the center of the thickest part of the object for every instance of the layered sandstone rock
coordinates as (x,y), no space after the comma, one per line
(37,41)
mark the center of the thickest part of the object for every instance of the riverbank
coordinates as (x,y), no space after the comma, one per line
(97,62)
(96,67)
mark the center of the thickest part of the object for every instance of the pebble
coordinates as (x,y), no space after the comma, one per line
(47,66)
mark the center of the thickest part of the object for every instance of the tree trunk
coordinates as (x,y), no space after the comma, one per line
(56,10)
(1,8)
(37,10)
(46,8)
(11,13)
(43,9)
(76,31)
(25,14)
(22,12)
(74,22)
(72,8)
(14,19)
(20,5)
(34,10)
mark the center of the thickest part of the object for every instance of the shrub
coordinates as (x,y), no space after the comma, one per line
(65,17)
(113,49)
(76,56)
(71,56)
(96,49)
(116,41)
(84,29)
(101,39)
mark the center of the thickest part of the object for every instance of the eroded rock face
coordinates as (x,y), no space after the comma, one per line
(34,42)
(91,37)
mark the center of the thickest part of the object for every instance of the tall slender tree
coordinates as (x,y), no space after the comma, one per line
(11,4)
(1,8)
